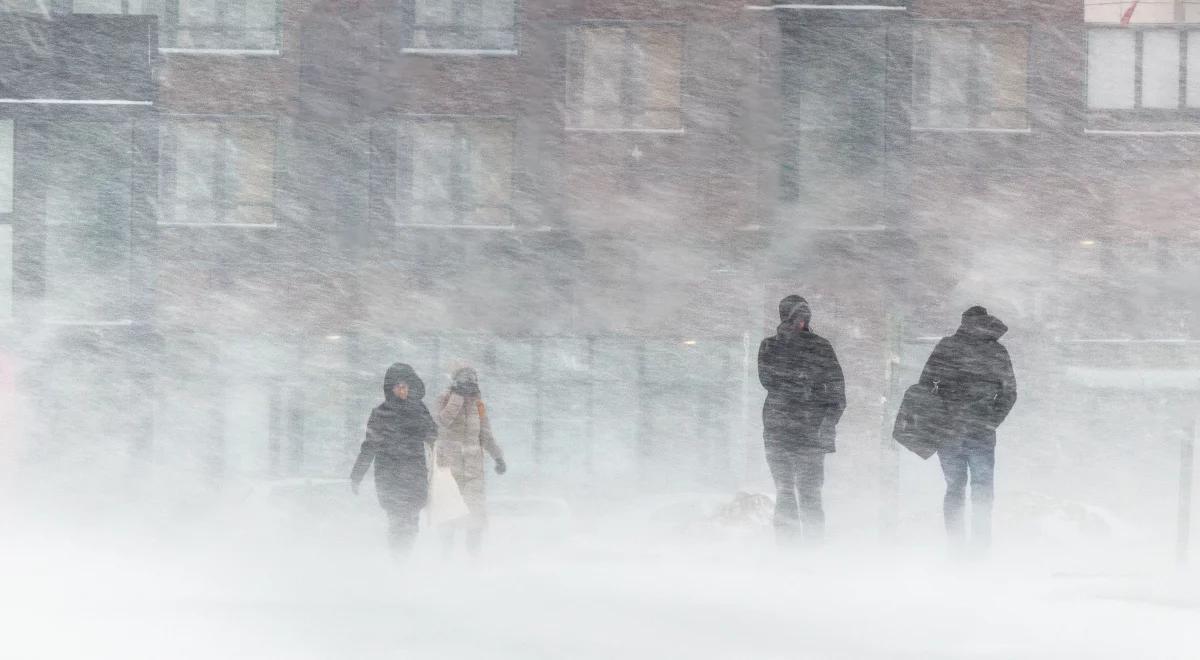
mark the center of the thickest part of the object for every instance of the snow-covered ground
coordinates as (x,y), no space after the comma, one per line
(662,580)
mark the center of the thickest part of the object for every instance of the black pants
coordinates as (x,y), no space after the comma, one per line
(402,529)
(799,474)
(976,463)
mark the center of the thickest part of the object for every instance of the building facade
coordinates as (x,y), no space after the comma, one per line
(228,222)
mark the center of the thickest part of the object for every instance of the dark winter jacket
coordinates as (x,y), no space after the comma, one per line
(397,434)
(805,388)
(972,373)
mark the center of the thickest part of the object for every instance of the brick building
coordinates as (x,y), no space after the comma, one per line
(233,215)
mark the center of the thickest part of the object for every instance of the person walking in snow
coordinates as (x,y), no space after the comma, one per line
(464,434)
(398,432)
(806,395)
(973,375)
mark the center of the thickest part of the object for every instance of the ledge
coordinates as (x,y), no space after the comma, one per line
(227,52)
(459,52)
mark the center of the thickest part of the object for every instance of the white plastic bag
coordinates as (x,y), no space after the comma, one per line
(446,502)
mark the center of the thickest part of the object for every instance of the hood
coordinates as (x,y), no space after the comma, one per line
(792,309)
(978,324)
(402,373)
(466,375)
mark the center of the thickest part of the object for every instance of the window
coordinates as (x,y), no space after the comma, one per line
(834,91)
(625,78)
(218,171)
(464,24)
(1139,69)
(201,24)
(1145,11)
(6,166)
(968,76)
(116,6)
(26,6)
(87,177)
(6,272)
(457,172)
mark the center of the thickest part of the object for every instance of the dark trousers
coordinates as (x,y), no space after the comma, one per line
(402,530)
(961,463)
(799,474)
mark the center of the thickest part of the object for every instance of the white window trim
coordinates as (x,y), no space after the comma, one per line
(226,52)
(232,225)
(75,102)
(508,227)
(461,52)
(826,7)
(118,323)
(647,131)
(1136,133)
(941,129)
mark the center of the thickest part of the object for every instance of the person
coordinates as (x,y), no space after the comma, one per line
(464,434)
(973,375)
(806,395)
(398,432)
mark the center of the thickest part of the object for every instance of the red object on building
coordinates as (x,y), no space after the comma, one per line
(1128,15)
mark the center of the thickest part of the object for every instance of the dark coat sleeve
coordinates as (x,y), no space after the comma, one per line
(366,455)
(1008,388)
(835,385)
(766,366)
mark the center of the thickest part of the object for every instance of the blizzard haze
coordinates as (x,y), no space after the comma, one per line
(221,222)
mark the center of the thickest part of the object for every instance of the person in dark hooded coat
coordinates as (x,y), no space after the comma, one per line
(806,394)
(973,374)
(398,432)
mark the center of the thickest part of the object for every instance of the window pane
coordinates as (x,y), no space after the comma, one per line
(1003,81)
(1193,67)
(1110,69)
(97,7)
(233,24)
(221,171)
(950,54)
(6,272)
(658,58)
(87,207)
(196,166)
(30,6)
(461,173)
(467,24)
(603,57)
(1160,69)
(566,360)
(513,358)
(490,166)
(6,166)
(433,160)
(252,151)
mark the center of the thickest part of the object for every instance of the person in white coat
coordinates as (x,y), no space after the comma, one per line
(464,435)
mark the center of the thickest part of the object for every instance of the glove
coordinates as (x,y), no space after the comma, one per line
(501,466)
(354,487)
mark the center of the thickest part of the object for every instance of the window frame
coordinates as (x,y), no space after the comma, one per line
(8,131)
(403,212)
(1139,111)
(576,60)
(168,171)
(975,84)
(458,27)
(168,17)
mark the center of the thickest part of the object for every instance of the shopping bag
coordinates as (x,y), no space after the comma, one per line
(922,423)
(446,502)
